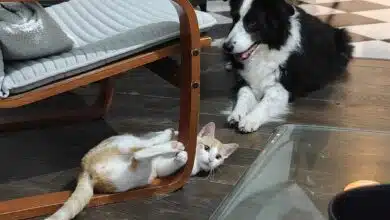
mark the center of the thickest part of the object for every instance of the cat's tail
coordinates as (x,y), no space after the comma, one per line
(77,201)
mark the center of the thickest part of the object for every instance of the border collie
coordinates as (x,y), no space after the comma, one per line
(280,52)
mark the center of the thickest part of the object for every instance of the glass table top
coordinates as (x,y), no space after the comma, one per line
(302,168)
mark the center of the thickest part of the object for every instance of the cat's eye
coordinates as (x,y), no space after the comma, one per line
(206,148)
(218,156)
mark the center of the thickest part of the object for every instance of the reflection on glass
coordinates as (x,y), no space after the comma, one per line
(300,170)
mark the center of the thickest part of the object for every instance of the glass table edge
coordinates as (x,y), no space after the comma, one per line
(273,140)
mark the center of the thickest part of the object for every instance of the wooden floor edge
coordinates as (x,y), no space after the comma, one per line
(371,62)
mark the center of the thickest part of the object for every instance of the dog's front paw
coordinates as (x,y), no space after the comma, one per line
(176,145)
(181,157)
(235,117)
(249,124)
(228,66)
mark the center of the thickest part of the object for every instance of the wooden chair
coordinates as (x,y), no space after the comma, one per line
(186,77)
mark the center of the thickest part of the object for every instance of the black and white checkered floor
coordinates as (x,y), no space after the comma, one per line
(368,22)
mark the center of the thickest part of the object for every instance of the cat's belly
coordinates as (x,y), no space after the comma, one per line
(120,173)
(132,178)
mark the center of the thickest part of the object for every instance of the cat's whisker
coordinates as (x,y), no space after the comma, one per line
(208,176)
(215,170)
(212,174)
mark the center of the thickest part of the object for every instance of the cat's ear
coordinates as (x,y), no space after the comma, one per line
(208,130)
(228,149)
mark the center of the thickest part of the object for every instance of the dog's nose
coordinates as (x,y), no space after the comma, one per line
(228,47)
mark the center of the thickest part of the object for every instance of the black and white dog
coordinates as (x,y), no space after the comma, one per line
(281,52)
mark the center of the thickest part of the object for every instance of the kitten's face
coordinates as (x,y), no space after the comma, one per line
(210,152)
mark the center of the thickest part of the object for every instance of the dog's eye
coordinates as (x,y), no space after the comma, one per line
(206,148)
(251,26)
(218,156)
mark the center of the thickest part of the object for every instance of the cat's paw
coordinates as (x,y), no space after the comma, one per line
(176,145)
(228,66)
(170,132)
(181,157)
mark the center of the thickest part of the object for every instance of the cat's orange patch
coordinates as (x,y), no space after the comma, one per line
(134,165)
(135,149)
(156,182)
(210,141)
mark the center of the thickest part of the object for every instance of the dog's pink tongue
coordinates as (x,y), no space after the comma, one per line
(245,55)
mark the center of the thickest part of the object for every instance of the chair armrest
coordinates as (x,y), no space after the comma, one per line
(189,28)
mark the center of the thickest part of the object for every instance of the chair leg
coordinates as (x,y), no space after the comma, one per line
(104,101)
(97,110)
(189,106)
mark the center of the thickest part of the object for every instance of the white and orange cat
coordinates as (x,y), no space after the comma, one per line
(124,162)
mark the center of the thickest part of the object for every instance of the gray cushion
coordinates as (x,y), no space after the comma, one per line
(102,31)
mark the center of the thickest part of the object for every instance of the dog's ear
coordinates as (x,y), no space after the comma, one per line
(287,8)
(271,2)
(272,21)
(279,5)
(275,9)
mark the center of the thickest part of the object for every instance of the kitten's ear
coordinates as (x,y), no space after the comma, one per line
(228,149)
(208,130)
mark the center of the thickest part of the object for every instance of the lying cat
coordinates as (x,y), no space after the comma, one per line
(125,162)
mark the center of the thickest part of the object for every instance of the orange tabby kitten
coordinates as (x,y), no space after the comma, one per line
(125,162)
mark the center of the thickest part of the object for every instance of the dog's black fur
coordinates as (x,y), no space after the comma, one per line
(326,52)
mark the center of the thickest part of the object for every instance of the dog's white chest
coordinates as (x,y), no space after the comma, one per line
(261,70)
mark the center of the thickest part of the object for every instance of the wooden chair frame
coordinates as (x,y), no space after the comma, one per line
(186,77)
